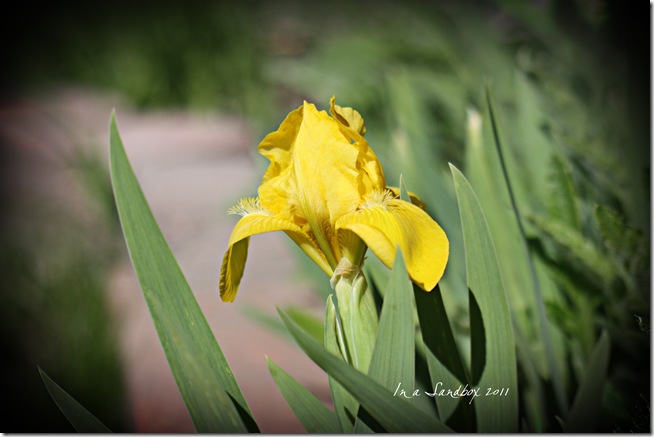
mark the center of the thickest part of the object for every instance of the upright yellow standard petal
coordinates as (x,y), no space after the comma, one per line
(371,175)
(233,265)
(319,170)
(278,186)
(347,116)
(325,167)
(389,223)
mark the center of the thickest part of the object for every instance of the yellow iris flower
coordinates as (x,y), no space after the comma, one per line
(326,189)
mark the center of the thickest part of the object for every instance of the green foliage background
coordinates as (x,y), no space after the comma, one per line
(570,82)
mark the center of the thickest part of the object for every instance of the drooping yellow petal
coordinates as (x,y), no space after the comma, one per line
(231,270)
(386,223)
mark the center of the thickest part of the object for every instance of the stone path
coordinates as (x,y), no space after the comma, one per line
(191,168)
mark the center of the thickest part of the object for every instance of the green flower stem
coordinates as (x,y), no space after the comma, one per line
(358,318)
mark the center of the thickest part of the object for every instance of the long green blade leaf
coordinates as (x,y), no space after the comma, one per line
(309,322)
(81,419)
(306,320)
(581,249)
(443,358)
(313,414)
(499,412)
(203,376)
(588,401)
(550,356)
(393,359)
(393,413)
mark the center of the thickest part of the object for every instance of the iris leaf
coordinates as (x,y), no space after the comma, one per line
(81,419)
(588,401)
(203,376)
(393,359)
(393,413)
(309,322)
(443,357)
(549,345)
(494,413)
(313,414)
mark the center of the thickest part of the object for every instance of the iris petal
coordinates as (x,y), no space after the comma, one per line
(396,223)
(231,270)
(371,175)
(325,166)
(278,186)
(347,116)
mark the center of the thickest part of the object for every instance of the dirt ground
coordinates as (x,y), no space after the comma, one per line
(192,167)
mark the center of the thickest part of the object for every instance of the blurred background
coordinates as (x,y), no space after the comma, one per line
(197,84)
